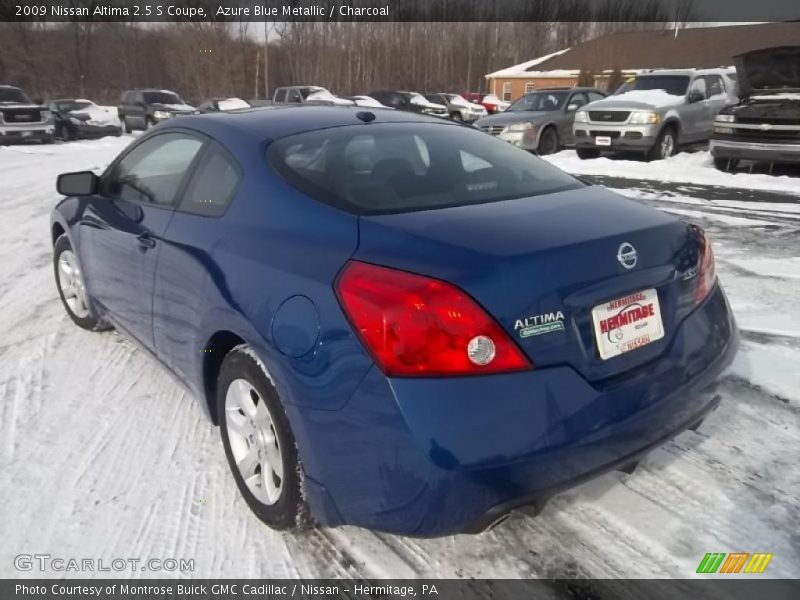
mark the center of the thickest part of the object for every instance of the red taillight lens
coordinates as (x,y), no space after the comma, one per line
(419,326)
(707,274)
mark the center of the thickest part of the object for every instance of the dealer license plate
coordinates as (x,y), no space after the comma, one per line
(602,140)
(627,323)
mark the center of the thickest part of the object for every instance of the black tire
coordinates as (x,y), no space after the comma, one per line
(456,116)
(548,142)
(290,510)
(90,321)
(125,126)
(66,134)
(661,149)
(587,153)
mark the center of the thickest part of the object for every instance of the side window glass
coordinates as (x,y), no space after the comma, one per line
(213,184)
(280,95)
(579,99)
(699,85)
(294,96)
(153,171)
(595,96)
(715,86)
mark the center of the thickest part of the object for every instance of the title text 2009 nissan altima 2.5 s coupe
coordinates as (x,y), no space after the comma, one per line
(398,322)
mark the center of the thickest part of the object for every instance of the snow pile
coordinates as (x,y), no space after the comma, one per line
(772,368)
(695,167)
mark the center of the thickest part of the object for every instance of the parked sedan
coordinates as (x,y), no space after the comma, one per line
(540,121)
(409,102)
(77,119)
(398,322)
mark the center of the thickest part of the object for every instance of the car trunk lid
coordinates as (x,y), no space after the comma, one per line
(548,261)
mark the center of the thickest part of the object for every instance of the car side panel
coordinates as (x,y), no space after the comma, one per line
(235,272)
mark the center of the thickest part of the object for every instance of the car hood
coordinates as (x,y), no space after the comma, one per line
(522,116)
(174,107)
(768,70)
(637,99)
(96,115)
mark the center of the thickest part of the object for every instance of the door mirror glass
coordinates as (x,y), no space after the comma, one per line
(83,183)
(572,107)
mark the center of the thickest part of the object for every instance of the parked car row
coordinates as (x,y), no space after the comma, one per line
(748,113)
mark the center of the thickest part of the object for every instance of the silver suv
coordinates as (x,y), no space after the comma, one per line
(658,112)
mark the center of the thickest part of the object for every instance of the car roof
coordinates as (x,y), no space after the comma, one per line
(274,122)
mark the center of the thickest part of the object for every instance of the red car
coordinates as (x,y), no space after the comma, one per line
(491,102)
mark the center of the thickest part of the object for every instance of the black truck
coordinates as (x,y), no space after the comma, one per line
(764,127)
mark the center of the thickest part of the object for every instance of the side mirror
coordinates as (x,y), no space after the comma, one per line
(695,96)
(82,183)
(572,107)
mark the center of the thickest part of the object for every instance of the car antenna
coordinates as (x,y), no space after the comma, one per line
(365,116)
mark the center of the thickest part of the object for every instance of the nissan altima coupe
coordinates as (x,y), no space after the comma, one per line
(398,322)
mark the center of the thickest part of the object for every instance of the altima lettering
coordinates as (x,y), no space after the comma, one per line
(539,320)
(627,317)
(539,324)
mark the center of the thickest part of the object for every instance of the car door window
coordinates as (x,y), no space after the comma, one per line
(294,96)
(595,96)
(213,185)
(280,95)
(152,172)
(699,86)
(715,85)
(579,99)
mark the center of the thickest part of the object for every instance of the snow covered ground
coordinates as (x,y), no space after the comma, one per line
(104,455)
(688,167)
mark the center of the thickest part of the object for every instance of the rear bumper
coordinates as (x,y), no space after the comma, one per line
(756,151)
(429,457)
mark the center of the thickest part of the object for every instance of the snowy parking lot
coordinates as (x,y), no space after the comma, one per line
(104,455)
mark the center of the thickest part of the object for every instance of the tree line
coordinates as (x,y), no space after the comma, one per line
(99,60)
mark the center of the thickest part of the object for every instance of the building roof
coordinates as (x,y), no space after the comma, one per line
(638,50)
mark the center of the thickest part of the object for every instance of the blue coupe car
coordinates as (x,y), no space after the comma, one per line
(398,322)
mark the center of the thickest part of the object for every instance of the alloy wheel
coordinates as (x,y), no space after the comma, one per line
(253,441)
(70,281)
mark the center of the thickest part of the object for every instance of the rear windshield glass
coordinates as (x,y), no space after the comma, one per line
(672,84)
(399,167)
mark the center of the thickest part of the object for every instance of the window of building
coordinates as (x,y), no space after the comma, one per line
(529,87)
(507,91)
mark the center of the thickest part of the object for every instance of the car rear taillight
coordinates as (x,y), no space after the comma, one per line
(419,326)
(707,274)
